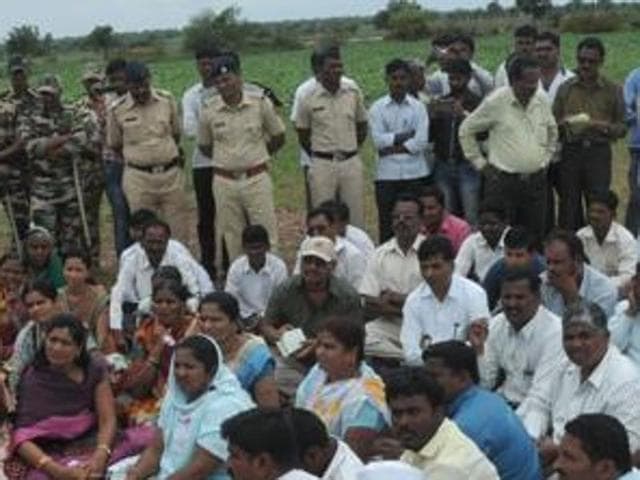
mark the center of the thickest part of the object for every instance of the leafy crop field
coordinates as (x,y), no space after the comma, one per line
(364,61)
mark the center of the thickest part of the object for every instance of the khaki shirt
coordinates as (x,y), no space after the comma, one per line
(332,118)
(521,139)
(145,133)
(604,101)
(239,134)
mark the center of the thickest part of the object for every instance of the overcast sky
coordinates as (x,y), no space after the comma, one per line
(78,17)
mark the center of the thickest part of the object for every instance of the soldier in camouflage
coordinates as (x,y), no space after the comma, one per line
(14,167)
(56,136)
(92,109)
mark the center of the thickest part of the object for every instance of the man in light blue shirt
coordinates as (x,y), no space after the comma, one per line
(400,132)
(624,325)
(632,114)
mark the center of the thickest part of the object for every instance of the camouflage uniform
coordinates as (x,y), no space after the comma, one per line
(14,172)
(92,115)
(53,197)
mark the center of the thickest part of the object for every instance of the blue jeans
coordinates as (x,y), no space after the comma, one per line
(632,220)
(119,206)
(460,183)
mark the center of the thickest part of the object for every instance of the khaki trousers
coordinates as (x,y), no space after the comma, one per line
(163,193)
(329,179)
(242,202)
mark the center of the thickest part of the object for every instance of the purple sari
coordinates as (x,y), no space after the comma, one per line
(59,415)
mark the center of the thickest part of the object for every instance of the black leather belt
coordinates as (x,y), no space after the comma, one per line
(521,176)
(337,156)
(155,168)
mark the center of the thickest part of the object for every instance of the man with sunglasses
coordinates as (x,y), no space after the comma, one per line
(589,110)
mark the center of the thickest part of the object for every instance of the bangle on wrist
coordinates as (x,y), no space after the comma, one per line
(104,447)
(44,460)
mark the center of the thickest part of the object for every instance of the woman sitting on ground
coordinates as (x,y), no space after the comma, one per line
(65,423)
(343,390)
(202,394)
(13,314)
(40,257)
(143,383)
(247,355)
(87,301)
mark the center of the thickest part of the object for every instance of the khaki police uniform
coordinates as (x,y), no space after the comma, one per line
(153,176)
(242,187)
(336,168)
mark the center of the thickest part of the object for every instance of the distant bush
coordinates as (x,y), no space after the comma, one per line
(407,25)
(592,22)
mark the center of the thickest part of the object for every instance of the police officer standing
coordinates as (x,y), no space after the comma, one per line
(14,167)
(332,124)
(240,130)
(144,126)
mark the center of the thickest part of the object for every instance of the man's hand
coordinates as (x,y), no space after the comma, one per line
(477,335)
(402,137)
(569,287)
(307,351)
(634,305)
(388,448)
(458,109)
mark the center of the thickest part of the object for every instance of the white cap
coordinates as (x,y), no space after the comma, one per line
(390,470)
(321,247)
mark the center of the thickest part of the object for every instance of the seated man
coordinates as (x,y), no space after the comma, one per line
(445,306)
(438,221)
(392,273)
(304,301)
(595,378)
(262,446)
(351,263)
(253,276)
(519,252)
(595,446)
(326,457)
(423,436)
(569,279)
(480,250)
(482,415)
(358,237)
(524,344)
(610,248)
(624,325)
(134,278)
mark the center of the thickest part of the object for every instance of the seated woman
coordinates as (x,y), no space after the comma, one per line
(13,314)
(65,423)
(90,303)
(247,355)
(40,257)
(142,385)
(341,389)
(202,394)
(39,298)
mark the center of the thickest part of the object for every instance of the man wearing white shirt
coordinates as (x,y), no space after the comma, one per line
(595,378)
(569,279)
(610,247)
(524,38)
(358,237)
(326,457)
(444,307)
(134,278)
(524,341)
(624,325)
(304,89)
(480,250)
(392,273)
(400,132)
(202,166)
(253,276)
(351,263)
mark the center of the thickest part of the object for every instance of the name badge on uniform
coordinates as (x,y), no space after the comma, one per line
(318,109)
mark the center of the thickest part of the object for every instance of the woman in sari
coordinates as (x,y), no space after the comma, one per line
(41,259)
(13,314)
(143,383)
(343,390)
(202,394)
(247,355)
(90,303)
(65,424)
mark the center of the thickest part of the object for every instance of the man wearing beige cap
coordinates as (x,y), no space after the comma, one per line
(303,302)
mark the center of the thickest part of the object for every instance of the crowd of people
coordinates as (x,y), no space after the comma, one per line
(492,331)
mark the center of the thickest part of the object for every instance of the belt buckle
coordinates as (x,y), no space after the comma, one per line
(339,156)
(586,143)
(157,169)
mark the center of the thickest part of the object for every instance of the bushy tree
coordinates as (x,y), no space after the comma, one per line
(24,40)
(209,28)
(102,38)
(382,19)
(537,8)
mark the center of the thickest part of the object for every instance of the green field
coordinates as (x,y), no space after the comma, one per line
(364,61)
